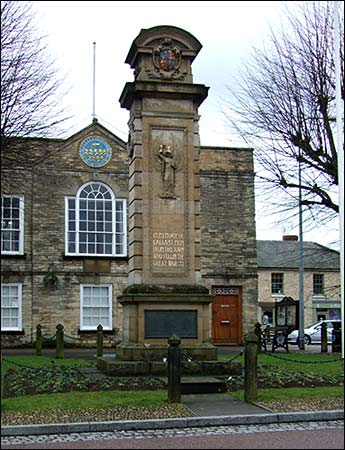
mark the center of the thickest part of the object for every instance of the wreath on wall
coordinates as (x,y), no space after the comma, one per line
(50,278)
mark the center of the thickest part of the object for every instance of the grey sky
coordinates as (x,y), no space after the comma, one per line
(226,30)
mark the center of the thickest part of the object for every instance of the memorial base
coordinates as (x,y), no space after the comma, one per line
(152,314)
(154,352)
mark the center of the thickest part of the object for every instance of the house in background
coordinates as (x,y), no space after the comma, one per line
(278,276)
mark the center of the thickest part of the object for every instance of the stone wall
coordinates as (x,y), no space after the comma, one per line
(228,245)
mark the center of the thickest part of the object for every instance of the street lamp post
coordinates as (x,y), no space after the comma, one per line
(301,342)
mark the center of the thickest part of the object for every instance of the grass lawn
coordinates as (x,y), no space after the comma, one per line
(313,363)
(309,364)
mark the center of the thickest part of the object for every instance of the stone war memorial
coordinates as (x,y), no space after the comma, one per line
(164,296)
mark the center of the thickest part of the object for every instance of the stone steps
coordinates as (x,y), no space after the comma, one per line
(200,385)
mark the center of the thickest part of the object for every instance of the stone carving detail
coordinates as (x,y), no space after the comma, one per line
(225,291)
(166,60)
(166,162)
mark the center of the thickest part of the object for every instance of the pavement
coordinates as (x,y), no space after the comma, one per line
(208,409)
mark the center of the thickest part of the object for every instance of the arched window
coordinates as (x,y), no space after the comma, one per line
(95,222)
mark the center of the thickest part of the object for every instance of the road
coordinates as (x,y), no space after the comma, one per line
(301,435)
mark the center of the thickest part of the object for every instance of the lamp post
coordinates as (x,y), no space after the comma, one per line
(301,342)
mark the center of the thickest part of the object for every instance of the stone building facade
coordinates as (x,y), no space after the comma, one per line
(278,276)
(228,241)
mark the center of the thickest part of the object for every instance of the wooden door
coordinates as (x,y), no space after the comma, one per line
(227,317)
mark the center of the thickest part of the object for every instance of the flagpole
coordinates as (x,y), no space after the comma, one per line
(94,84)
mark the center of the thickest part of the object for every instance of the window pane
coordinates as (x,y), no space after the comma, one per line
(71,226)
(71,237)
(119,206)
(15,213)
(108,238)
(5,312)
(87,291)
(100,226)
(91,248)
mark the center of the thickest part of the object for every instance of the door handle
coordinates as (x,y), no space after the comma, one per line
(225,322)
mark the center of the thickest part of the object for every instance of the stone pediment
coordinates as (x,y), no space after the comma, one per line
(92,148)
(163,53)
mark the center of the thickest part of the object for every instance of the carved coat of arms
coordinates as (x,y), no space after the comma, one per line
(166,61)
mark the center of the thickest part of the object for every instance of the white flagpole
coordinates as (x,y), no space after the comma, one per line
(94,83)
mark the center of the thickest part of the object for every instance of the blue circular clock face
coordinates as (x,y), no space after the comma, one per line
(95,151)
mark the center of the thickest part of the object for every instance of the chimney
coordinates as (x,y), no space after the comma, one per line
(290,237)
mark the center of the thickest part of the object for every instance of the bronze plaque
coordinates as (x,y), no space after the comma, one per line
(166,322)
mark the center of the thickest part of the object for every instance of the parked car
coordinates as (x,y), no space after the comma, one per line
(312,334)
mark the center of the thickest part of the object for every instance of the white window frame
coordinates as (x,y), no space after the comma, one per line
(20,250)
(318,284)
(275,282)
(110,306)
(20,303)
(77,231)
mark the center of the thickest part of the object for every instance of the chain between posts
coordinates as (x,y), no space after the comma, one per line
(299,361)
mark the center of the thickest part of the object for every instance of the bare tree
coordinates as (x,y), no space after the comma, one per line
(283,105)
(30,86)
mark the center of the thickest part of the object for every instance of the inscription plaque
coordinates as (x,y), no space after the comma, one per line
(166,322)
(168,251)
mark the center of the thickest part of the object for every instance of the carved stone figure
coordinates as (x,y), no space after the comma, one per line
(168,171)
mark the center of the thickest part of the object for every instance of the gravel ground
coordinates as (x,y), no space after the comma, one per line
(165,412)
(304,405)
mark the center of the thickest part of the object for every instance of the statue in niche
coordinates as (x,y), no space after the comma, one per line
(168,170)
